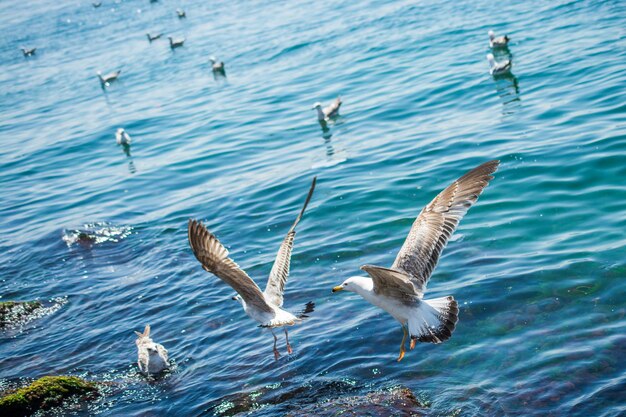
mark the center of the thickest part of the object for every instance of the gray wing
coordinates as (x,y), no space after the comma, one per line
(333,108)
(280,270)
(214,258)
(391,283)
(436,223)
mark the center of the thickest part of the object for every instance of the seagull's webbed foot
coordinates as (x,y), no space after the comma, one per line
(276,354)
(402,349)
(289,350)
(413,341)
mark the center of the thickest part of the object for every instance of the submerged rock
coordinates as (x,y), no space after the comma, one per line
(398,401)
(45,393)
(12,312)
(321,398)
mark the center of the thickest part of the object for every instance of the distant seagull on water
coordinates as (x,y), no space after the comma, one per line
(329,112)
(121,137)
(217,66)
(152,37)
(176,43)
(496,68)
(96,4)
(399,290)
(181,13)
(263,307)
(28,51)
(497,42)
(106,80)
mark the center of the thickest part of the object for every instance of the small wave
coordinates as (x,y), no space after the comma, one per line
(95,234)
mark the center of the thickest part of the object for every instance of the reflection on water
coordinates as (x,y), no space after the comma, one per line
(507,87)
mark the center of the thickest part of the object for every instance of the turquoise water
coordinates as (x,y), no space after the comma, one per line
(538,265)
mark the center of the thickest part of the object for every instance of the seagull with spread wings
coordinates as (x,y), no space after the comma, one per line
(399,290)
(264,307)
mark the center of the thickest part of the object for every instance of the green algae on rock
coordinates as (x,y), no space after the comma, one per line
(12,312)
(45,393)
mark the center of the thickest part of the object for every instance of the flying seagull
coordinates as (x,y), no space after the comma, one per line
(106,80)
(28,51)
(152,37)
(496,67)
(329,112)
(498,42)
(96,4)
(399,290)
(181,13)
(175,43)
(264,307)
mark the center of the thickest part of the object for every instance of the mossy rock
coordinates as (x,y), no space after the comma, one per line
(15,311)
(45,393)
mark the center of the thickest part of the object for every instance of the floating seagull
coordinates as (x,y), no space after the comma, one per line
(28,52)
(106,80)
(263,307)
(181,13)
(121,137)
(151,357)
(499,42)
(399,290)
(175,43)
(96,4)
(218,66)
(329,112)
(501,67)
(153,37)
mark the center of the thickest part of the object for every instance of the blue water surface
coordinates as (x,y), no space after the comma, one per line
(538,265)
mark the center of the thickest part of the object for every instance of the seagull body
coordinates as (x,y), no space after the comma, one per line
(151,357)
(96,4)
(181,13)
(263,307)
(501,67)
(498,42)
(153,37)
(106,80)
(217,66)
(328,112)
(399,290)
(28,51)
(122,138)
(176,43)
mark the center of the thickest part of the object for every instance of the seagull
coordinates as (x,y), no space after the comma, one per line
(106,80)
(263,307)
(218,66)
(499,42)
(153,37)
(121,137)
(28,52)
(501,67)
(151,357)
(181,13)
(329,112)
(175,43)
(399,290)
(96,4)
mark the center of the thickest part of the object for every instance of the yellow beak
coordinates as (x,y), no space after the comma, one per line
(337,288)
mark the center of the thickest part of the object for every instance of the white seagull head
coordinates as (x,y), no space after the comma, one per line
(317,105)
(491,34)
(359,285)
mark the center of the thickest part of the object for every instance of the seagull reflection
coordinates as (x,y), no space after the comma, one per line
(507,87)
